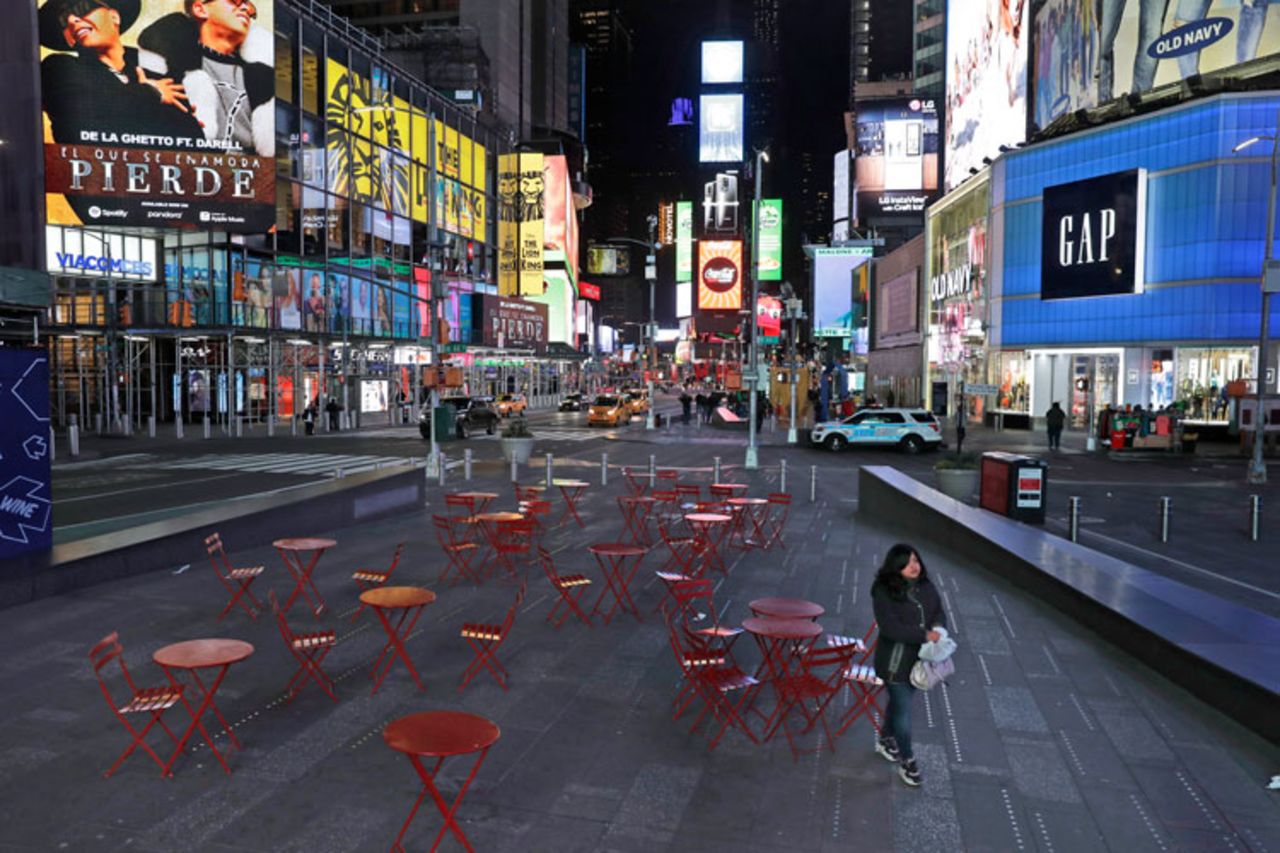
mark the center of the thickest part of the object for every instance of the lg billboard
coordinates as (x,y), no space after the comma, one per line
(159,112)
(896,158)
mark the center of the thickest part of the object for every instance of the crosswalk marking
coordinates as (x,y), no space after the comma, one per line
(553,434)
(284,463)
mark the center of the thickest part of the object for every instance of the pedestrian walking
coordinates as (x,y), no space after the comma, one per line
(1055,419)
(333,407)
(908,611)
(309,418)
(685,402)
(701,400)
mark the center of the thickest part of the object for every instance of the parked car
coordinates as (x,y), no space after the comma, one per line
(511,404)
(573,402)
(608,409)
(471,414)
(910,430)
(637,401)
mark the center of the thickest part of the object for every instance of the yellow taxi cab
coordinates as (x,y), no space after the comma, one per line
(637,401)
(608,409)
(510,404)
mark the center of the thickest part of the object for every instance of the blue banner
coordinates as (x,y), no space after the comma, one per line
(26,511)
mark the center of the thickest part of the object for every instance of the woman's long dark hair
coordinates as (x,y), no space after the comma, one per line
(890,573)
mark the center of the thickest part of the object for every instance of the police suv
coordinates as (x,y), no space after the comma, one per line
(910,430)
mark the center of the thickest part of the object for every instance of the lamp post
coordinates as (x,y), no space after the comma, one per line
(752,461)
(794,313)
(1257,474)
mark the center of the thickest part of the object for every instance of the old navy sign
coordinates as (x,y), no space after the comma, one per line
(950,284)
(1093,237)
(1191,38)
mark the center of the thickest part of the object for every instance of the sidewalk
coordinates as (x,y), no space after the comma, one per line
(1046,738)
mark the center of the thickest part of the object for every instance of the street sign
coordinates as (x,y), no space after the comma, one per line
(454,348)
(981,389)
(769,340)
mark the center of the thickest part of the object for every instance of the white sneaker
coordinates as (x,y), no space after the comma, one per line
(910,773)
(887,748)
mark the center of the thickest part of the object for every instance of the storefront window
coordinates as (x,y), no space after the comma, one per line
(1163,390)
(1201,377)
(1014,377)
(313,153)
(288,150)
(312,46)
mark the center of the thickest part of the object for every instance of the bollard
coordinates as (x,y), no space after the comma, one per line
(239,427)
(177,426)
(440,469)
(715,474)
(97,423)
(813,483)
(271,426)
(782,476)
(338,474)
(1164,519)
(53,444)
(73,438)
(1073,519)
(293,425)
(151,426)
(466,464)
(515,470)
(207,432)
(653,471)
(550,466)
(1255,515)
(604,469)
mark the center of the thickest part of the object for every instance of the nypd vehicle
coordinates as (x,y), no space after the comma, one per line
(910,430)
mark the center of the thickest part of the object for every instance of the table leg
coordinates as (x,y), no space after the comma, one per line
(625,578)
(606,568)
(196,714)
(448,812)
(302,580)
(395,647)
(213,706)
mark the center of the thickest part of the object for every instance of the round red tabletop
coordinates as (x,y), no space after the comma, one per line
(197,654)
(786,608)
(617,549)
(708,518)
(486,496)
(636,499)
(440,733)
(397,596)
(305,543)
(498,516)
(746,502)
(782,629)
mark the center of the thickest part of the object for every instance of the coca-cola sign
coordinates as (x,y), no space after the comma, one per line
(720,271)
(720,275)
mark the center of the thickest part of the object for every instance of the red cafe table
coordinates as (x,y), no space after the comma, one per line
(786,608)
(190,657)
(479,500)
(489,523)
(709,529)
(750,516)
(613,557)
(572,491)
(292,551)
(440,735)
(783,643)
(636,510)
(409,602)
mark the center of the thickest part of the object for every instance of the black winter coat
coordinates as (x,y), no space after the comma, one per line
(903,625)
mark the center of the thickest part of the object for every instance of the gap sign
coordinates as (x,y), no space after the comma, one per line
(1093,236)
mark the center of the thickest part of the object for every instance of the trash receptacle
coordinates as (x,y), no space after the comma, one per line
(442,421)
(1014,485)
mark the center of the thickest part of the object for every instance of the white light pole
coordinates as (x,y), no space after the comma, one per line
(1257,474)
(752,461)
(651,273)
(794,312)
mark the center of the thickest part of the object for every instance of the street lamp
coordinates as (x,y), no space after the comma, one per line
(794,312)
(1257,466)
(752,461)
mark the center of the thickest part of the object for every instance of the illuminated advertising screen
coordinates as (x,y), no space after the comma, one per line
(769,316)
(521,185)
(1093,236)
(144,125)
(720,204)
(987,80)
(720,128)
(769,254)
(840,195)
(719,275)
(834,284)
(898,310)
(721,62)
(684,299)
(1086,56)
(373,396)
(684,241)
(896,156)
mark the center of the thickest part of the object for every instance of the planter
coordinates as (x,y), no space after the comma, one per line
(518,449)
(958,483)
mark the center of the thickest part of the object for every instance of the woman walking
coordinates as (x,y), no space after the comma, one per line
(908,610)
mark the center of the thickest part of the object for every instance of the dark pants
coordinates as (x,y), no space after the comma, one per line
(897,723)
(1055,438)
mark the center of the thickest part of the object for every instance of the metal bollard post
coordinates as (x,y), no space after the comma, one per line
(1073,519)
(271,426)
(73,437)
(338,473)
(239,427)
(440,471)
(813,483)
(515,470)
(653,471)
(550,467)
(604,469)
(53,444)
(293,425)
(151,426)
(782,475)
(207,432)
(466,464)
(1255,515)
(716,472)
(177,426)
(1164,519)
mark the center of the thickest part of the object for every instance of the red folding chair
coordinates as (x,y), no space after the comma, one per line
(370,578)
(668,478)
(309,649)
(715,682)
(820,679)
(695,604)
(688,495)
(721,491)
(865,687)
(683,548)
(236,580)
(539,512)
(637,482)
(485,640)
(776,523)
(514,539)
(460,504)
(457,548)
(571,589)
(152,701)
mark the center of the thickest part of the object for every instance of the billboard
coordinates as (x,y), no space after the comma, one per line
(986,81)
(898,310)
(895,156)
(719,275)
(769,316)
(720,204)
(720,128)
(834,283)
(840,212)
(1093,236)
(26,509)
(139,127)
(1085,58)
(512,323)
(769,232)
(521,183)
(608,260)
(684,241)
(561,220)
(721,62)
